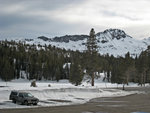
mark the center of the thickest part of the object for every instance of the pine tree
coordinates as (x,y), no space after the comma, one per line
(76,74)
(142,67)
(92,53)
(92,43)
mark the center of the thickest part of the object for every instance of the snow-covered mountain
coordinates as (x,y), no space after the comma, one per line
(112,41)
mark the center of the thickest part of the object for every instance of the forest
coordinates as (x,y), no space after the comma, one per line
(20,60)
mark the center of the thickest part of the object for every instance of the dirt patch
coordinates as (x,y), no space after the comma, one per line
(2,103)
(58,100)
(3,86)
(79,98)
(47,102)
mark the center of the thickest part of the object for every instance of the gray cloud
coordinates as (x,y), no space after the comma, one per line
(40,4)
(31,18)
(20,23)
(114,14)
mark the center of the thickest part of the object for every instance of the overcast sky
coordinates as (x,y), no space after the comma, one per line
(33,18)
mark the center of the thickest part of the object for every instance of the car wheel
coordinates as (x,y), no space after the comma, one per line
(14,101)
(35,104)
(26,102)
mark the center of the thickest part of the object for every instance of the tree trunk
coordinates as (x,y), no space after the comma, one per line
(123,87)
(92,82)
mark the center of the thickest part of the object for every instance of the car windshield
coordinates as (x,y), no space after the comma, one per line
(28,95)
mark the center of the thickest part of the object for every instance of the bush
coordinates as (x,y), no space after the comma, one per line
(49,85)
(33,84)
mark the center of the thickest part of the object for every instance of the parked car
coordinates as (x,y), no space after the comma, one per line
(23,98)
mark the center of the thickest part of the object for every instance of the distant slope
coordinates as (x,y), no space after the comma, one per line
(112,41)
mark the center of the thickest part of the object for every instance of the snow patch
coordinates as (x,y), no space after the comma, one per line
(60,93)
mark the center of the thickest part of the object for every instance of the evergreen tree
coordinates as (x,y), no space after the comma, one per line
(76,74)
(92,54)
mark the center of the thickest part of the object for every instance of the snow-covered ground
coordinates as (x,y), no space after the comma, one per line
(60,93)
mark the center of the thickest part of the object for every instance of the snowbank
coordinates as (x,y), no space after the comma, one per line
(60,93)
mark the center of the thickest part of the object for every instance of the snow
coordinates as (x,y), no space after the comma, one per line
(60,93)
(112,46)
(116,47)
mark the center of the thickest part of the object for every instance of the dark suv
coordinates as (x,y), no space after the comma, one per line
(23,98)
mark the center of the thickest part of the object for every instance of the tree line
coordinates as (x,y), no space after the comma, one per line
(20,60)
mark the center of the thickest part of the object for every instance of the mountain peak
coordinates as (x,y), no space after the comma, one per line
(111,41)
(112,34)
(44,38)
(68,38)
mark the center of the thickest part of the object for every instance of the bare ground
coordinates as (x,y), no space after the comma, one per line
(126,104)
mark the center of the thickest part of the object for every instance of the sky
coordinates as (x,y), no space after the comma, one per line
(33,18)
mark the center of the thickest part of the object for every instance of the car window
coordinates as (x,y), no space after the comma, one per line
(14,93)
(20,95)
(28,95)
